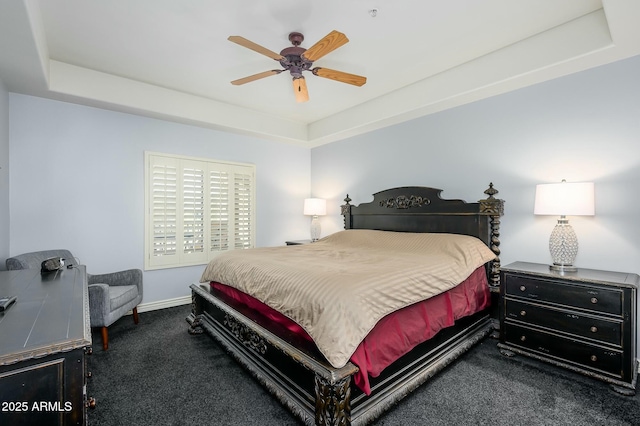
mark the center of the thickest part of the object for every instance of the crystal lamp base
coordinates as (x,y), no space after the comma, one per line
(563,245)
(315,229)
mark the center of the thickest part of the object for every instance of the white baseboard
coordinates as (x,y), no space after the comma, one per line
(161,304)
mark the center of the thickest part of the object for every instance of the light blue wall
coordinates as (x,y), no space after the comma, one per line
(582,127)
(77,172)
(77,182)
(4,175)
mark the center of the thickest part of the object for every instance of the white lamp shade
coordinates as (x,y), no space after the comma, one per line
(315,207)
(565,199)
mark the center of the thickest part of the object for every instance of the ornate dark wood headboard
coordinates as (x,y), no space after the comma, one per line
(421,209)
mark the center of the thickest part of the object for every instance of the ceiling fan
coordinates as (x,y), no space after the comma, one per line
(297,59)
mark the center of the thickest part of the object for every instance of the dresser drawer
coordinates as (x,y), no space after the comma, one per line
(567,321)
(590,356)
(590,297)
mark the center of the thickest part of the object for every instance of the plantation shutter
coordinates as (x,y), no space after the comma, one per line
(196,209)
(164,211)
(242,207)
(193,211)
(219,205)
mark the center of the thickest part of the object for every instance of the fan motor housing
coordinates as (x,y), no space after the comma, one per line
(293,60)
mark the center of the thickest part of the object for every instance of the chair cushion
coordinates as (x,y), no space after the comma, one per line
(121,294)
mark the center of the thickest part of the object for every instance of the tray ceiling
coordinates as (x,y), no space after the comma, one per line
(172,60)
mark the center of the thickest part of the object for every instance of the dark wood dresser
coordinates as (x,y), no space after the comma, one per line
(584,321)
(44,338)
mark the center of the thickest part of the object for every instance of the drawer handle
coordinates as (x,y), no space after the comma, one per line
(594,358)
(594,300)
(523,313)
(594,329)
(523,338)
(522,288)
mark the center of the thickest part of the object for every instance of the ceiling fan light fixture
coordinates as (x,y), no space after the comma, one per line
(296,60)
(300,89)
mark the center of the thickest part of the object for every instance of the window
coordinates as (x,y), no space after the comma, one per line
(196,208)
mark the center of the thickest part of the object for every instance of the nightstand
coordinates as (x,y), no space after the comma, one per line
(584,321)
(297,242)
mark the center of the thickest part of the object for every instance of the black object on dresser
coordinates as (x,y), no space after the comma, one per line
(584,320)
(44,338)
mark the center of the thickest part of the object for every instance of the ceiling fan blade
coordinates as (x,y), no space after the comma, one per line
(255,77)
(343,77)
(300,89)
(328,44)
(255,47)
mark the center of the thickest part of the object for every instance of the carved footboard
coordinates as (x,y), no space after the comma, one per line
(313,390)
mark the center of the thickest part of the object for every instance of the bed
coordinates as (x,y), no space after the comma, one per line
(321,370)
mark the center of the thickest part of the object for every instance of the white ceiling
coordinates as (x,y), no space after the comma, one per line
(171,59)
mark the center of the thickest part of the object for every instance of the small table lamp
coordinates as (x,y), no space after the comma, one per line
(315,207)
(564,199)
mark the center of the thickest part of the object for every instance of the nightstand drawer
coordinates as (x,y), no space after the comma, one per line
(567,321)
(590,356)
(585,297)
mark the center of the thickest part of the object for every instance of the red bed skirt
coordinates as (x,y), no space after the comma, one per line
(397,333)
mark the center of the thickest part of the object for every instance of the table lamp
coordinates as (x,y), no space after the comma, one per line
(315,207)
(564,199)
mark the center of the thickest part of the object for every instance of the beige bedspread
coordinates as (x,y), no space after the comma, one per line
(338,288)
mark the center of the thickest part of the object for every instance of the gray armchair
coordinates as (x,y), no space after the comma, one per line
(110,295)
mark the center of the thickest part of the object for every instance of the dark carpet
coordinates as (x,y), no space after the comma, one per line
(155,373)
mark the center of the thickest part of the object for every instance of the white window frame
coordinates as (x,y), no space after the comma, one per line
(180,190)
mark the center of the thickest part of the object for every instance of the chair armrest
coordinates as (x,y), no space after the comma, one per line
(99,303)
(127,277)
